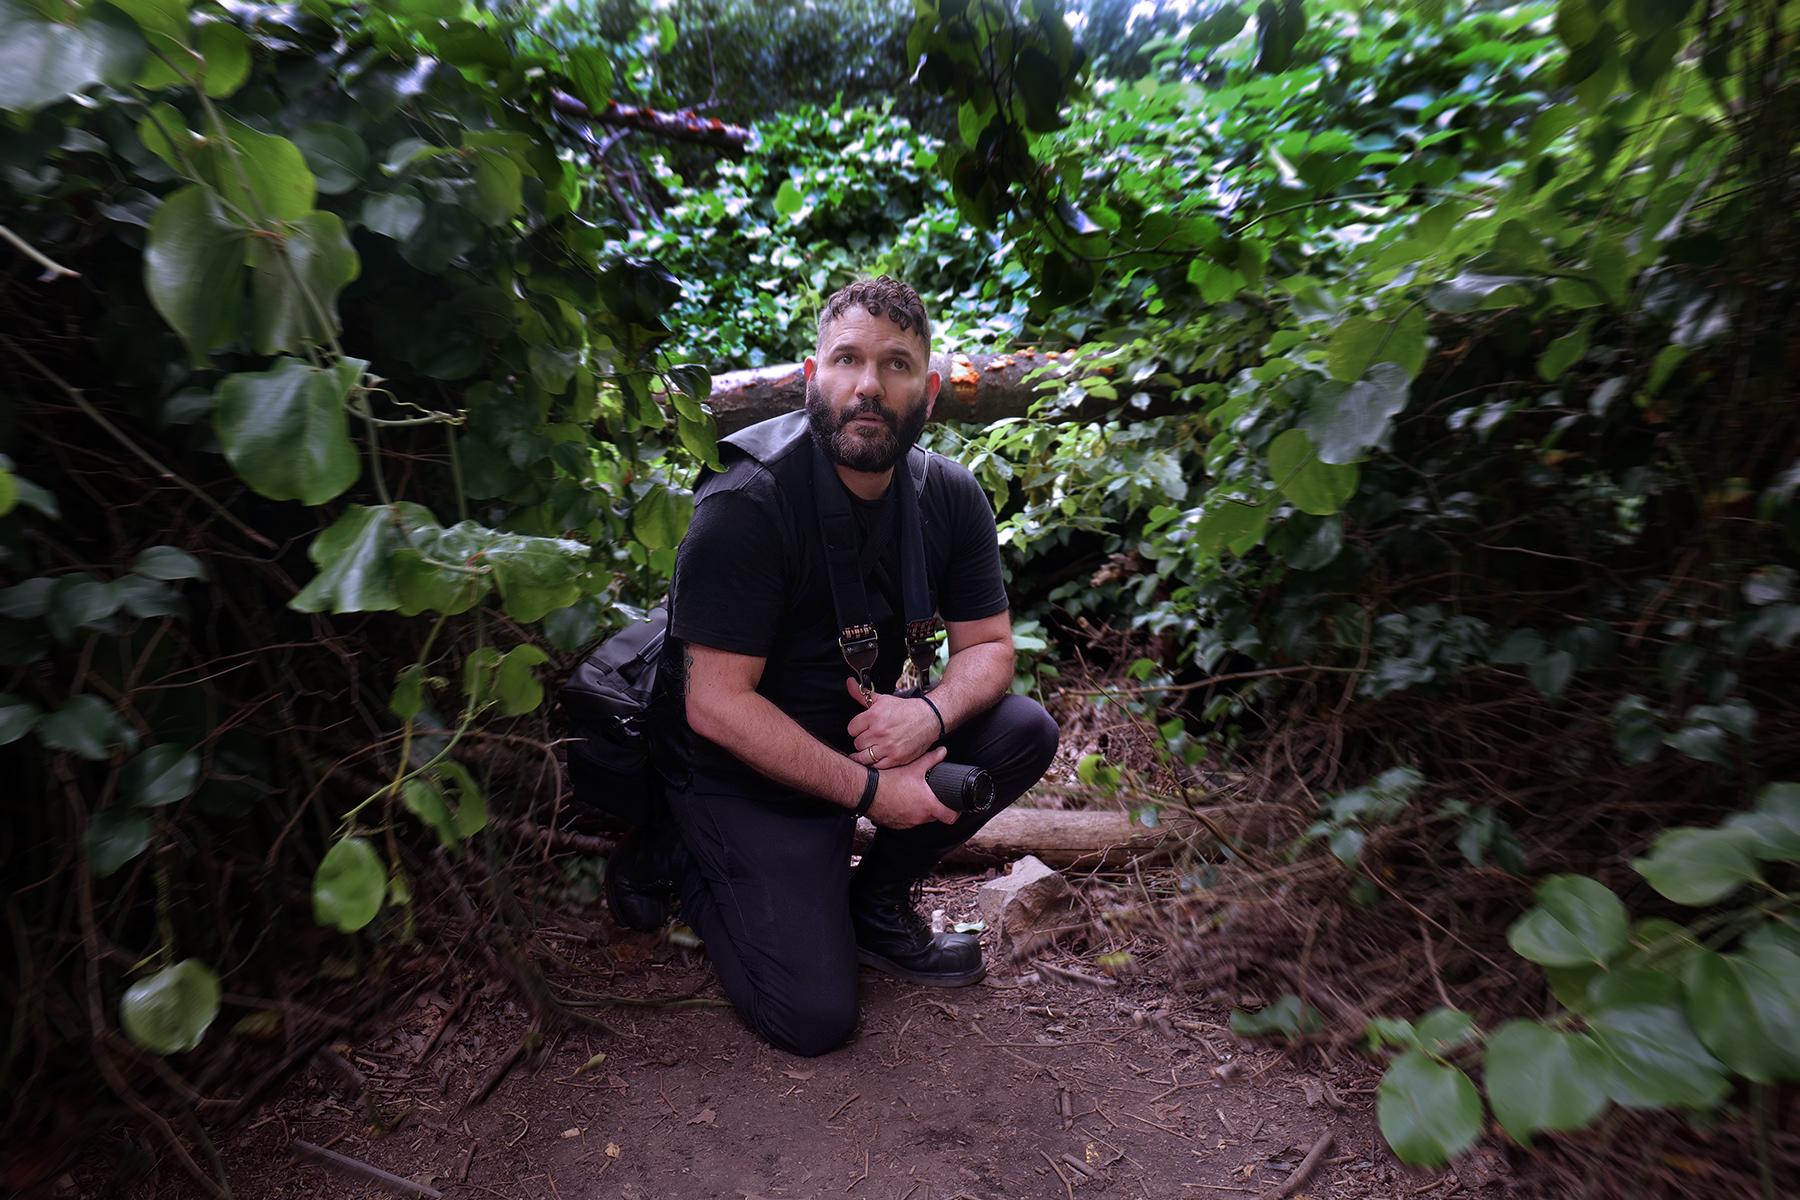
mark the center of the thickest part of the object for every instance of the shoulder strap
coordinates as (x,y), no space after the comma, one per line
(857,639)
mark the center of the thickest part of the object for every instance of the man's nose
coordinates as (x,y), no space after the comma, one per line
(868,384)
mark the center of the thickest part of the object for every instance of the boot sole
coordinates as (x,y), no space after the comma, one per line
(887,966)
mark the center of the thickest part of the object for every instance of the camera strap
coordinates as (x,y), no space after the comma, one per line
(845,568)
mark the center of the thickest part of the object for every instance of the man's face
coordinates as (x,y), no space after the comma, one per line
(870,391)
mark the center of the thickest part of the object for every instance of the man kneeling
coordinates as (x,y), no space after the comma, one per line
(781,748)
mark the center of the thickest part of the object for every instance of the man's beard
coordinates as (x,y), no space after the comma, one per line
(858,451)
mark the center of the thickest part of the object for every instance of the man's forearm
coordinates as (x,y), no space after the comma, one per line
(758,733)
(973,682)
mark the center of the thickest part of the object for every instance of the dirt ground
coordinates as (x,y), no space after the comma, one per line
(1029,1085)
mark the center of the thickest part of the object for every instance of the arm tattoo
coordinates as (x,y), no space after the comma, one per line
(687,671)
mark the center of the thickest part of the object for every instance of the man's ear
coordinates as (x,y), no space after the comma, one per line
(808,366)
(933,382)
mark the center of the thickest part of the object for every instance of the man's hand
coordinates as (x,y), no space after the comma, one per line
(900,728)
(903,799)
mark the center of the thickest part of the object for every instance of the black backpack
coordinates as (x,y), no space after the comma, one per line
(612,699)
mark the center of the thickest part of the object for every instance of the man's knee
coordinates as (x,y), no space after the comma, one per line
(1034,731)
(811,1025)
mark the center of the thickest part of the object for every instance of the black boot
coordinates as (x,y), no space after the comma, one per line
(892,937)
(641,876)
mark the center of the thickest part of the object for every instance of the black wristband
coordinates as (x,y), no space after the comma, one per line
(935,713)
(868,796)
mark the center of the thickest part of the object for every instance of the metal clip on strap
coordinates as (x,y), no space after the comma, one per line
(857,639)
(861,647)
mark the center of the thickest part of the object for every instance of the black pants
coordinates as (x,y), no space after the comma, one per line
(766,884)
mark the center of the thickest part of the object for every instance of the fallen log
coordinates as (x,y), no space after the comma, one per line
(977,388)
(1061,839)
(680,126)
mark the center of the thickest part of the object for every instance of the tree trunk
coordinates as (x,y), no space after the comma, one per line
(682,126)
(978,388)
(1060,839)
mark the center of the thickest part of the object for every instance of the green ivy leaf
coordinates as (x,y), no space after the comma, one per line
(1315,487)
(295,282)
(1360,342)
(161,775)
(1308,543)
(536,575)
(42,61)
(408,699)
(471,805)
(789,200)
(423,800)
(1550,673)
(499,187)
(660,518)
(1347,422)
(169,1012)
(1232,522)
(336,156)
(194,271)
(1774,825)
(1538,1079)
(1636,734)
(225,58)
(1443,1029)
(478,676)
(77,601)
(262,174)
(285,431)
(1745,1009)
(349,885)
(396,214)
(85,726)
(516,689)
(114,837)
(17,716)
(164,22)
(1577,922)
(167,562)
(148,597)
(1286,1017)
(590,76)
(355,559)
(27,601)
(1654,1059)
(1697,867)
(1563,353)
(1428,1112)
(1472,290)
(425,585)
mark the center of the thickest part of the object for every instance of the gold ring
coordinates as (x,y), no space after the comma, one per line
(871,751)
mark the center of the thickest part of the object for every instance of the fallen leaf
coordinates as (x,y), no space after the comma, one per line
(704,1117)
(591,1063)
(802,1076)
(612,1149)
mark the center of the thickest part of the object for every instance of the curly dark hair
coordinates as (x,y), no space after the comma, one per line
(883,296)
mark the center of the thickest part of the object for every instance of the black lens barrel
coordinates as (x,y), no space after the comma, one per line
(961,787)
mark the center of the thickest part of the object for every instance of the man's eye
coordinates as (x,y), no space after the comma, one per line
(843,358)
(900,364)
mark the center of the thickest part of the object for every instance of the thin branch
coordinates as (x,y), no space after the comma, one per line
(74,393)
(52,268)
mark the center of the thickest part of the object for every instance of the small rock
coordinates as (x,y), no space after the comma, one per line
(1022,906)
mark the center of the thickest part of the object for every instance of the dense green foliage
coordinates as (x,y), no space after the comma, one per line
(379,378)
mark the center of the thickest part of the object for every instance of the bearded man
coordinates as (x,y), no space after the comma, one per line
(781,750)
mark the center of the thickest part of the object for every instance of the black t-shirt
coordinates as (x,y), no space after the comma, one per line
(750,578)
